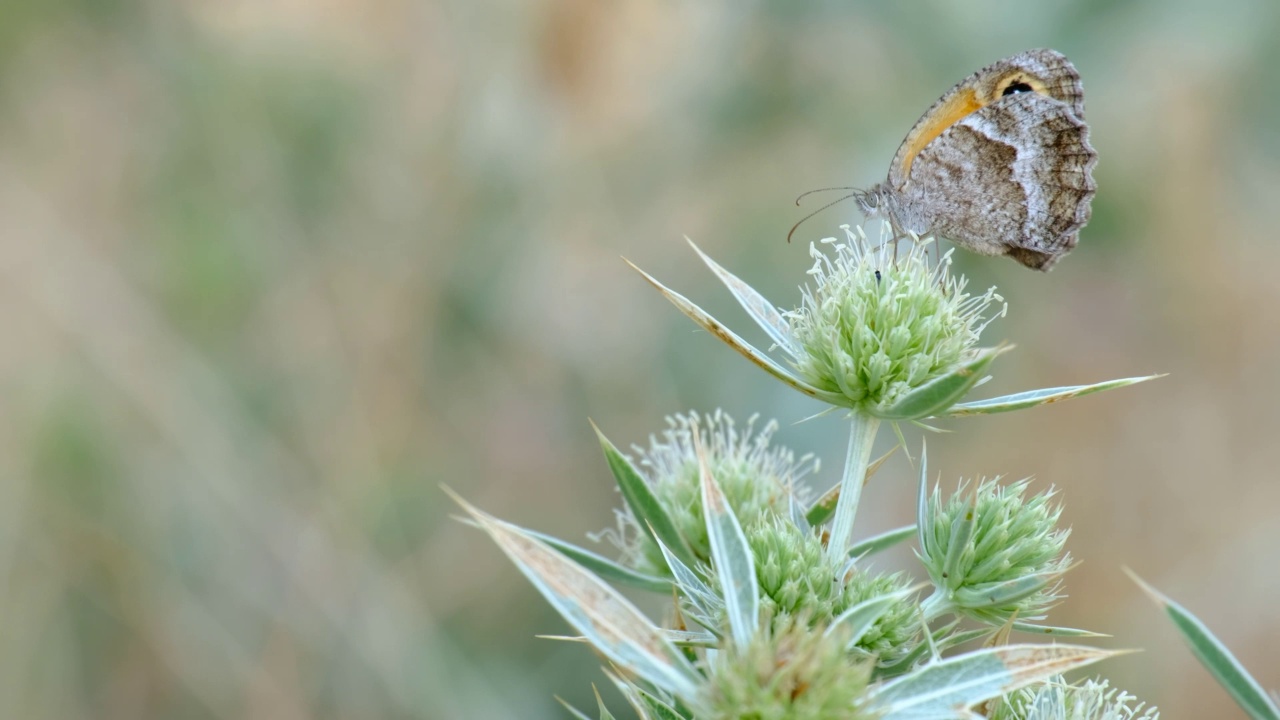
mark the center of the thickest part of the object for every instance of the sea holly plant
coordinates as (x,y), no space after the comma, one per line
(777,612)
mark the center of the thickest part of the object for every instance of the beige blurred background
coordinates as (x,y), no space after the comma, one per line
(272,271)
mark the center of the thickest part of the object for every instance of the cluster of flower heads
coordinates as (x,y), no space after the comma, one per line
(994,552)
(777,620)
(764,485)
(758,478)
(1011,548)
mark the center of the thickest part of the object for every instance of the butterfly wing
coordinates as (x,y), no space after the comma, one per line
(1013,177)
(1043,72)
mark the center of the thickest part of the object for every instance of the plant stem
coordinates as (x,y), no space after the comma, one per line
(935,605)
(862,435)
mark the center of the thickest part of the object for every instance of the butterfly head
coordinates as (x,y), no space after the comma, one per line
(879,201)
(870,201)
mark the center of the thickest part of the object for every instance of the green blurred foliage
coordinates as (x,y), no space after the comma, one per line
(272,272)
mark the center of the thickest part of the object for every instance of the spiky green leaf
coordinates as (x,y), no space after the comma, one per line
(734,564)
(947,688)
(1032,398)
(999,594)
(941,392)
(1050,630)
(604,567)
(760,309)
(658,710)
(717,328)
(690,584)
(604,711)
(1216,658)
(924,532)
(648,510)
(575,711)
(957,547)
(612,624)
(883,541)
(943,638)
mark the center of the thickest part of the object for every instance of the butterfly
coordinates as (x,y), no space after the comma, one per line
(1000,165)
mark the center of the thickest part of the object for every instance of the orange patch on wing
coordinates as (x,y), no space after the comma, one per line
(940,119)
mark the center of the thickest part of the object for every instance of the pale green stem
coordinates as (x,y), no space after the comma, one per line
(935,605)
(862,435)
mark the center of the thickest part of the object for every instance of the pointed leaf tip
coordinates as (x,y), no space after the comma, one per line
(607,619)
(882,541)
(578,714)
(1045,396)
(1215,657)
(721,331)
(648,510)
(763,312)
(604,567)
(604,711)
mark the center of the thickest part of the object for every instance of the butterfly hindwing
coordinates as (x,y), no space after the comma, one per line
(1010,178)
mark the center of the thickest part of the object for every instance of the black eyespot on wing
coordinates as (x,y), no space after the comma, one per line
(1018,87)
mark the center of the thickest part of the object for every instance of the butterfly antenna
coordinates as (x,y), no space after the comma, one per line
(804,195)
(824,207)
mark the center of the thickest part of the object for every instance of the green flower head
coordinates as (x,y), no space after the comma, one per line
(874,326)
(796,580)
(1090,700)
(789,673)
(757,478)
(992,552)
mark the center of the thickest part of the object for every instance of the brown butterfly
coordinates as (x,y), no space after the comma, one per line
(1000,165)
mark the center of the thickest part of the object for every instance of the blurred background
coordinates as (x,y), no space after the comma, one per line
(273,271)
